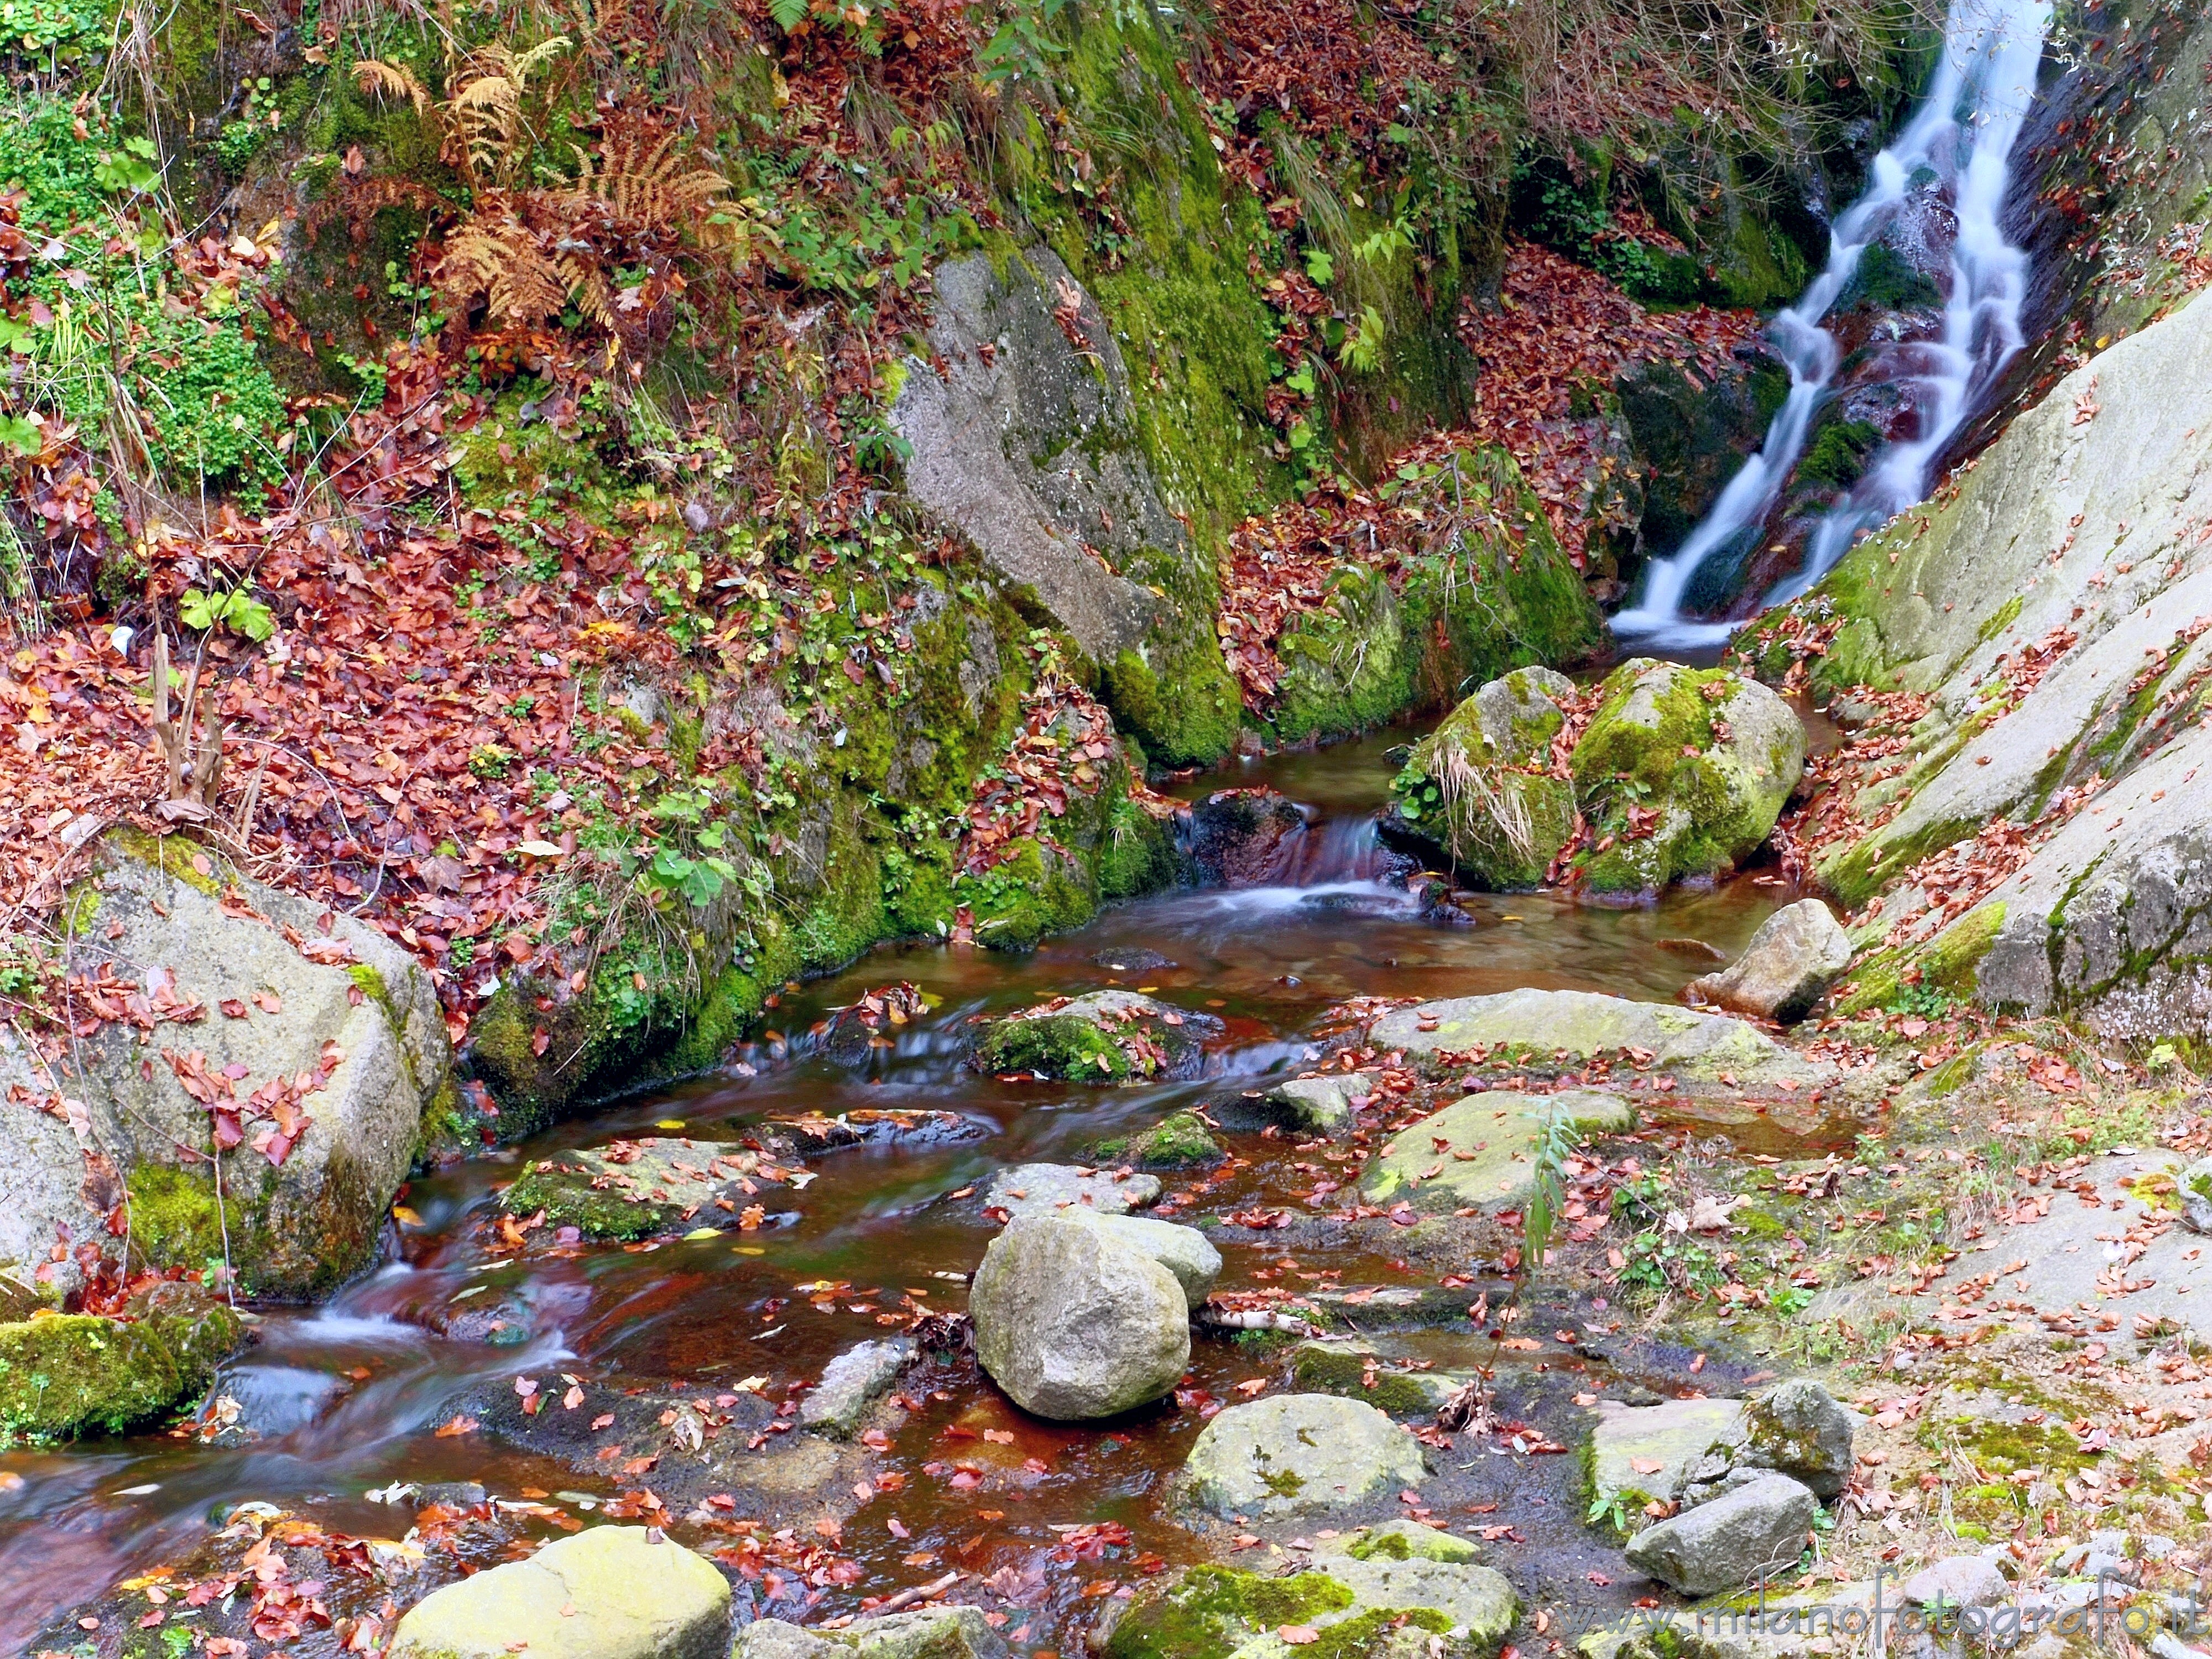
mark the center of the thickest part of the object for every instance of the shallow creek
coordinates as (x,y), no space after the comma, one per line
(349,1398)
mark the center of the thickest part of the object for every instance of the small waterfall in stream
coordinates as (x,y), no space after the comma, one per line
(1963,133)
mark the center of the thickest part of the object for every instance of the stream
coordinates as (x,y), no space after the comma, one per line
(335,1404)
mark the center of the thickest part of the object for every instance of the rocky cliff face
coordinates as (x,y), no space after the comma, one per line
(2047,614)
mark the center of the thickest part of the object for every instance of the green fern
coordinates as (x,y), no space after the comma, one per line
(789,14)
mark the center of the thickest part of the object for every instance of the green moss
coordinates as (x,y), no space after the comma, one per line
(1948,962)
(80,909)
(175,1223)
(570,1200)
(1376,1631)
(69,1375)
(1055,1046)
(78,1373)
(1136,854)
(173,855)
(1838,456)
(1340,1371)
(1211,1611)
(1179,1141)
(1409,1541)
(1885,280)
(1185,712)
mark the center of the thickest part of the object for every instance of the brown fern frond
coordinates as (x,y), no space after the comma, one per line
(587,284)
(640,184)
(390,82)
(500,262)
(358,201)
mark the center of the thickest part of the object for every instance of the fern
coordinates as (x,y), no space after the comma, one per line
(789,14)
(391,82)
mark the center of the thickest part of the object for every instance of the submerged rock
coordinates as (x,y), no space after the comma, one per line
(1108,1036)
(1683,771)
(851,1383)
(1480,789)
(604,1593)
(813,1134)
(1352,1368)
(654,1184)
(1537,1024)
(919,1633)
(1299,1454)
(1795,1428)
(1398,1591)
(1046,1189)
(67,1375)
(1074,1323)
(1481,1149)
(1753,1534)
(1640,1453)
(1243,837)
(1797,953)
(314,1036)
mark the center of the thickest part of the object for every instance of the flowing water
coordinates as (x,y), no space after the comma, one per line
(335,1405)
(1957,149)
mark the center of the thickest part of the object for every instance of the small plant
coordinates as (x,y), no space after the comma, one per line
(489,760)
(237,610)
(1362,350)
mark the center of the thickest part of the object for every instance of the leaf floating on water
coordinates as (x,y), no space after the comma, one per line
(753,1385)
(702,1232)
(459,1426)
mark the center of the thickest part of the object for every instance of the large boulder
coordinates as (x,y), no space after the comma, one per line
(1480,789)
(1753,1534)
(220,1017)
(921,1633)
(1797,953)
(65,1375)
(1481,1149)
(1026,443)
(1108,1036)
(1795,1428)
(1185,1252)
(654,1184)
(1299,1454)
(1074,1323)
(1682,773)
(604,1593)
(1396,1591)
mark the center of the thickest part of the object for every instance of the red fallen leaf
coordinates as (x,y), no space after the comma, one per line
(540,1040)
(965,1480)
(459,1426)
(1297,1636)
(231,1008)
(603,1420)
(998,1436)
(325,950)
(268,1002)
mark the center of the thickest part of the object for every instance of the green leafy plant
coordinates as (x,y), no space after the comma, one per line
(1362,350)
(237,610)
(1547,1189)
(128,168)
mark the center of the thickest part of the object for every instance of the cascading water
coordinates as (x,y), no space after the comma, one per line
(1963,133)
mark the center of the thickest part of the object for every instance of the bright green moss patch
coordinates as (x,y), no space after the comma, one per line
(1180,1141)
(1324,1370)
(1211,1611)
(76,1374)
(570,1200)
(1054,1045)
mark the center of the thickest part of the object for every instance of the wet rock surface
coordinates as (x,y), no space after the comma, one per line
(633,1188)
(1243,837)
(924,1633)
(1046,1189)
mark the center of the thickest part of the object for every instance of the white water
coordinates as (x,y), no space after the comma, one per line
(1964,131)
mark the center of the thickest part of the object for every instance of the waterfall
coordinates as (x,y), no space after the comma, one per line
(1963,132)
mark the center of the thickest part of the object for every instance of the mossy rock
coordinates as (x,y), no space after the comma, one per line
(1108,1036)
(632,1189)
(67,1375)
(1682,773)
(1479,789)
(1179,1141)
